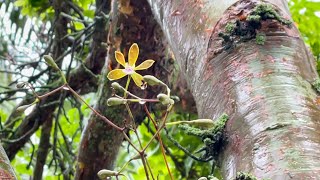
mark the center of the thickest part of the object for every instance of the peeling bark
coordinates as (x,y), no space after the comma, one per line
(265,89)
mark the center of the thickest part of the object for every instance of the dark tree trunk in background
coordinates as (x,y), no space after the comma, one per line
(274,127)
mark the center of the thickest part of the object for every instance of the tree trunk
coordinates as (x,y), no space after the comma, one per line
(264,87)
(6,171)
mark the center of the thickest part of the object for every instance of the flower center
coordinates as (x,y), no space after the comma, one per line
(129,70)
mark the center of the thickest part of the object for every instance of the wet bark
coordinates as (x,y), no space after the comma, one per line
(265,89)
(6,171)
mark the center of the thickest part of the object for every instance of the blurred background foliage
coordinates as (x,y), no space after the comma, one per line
(25,27)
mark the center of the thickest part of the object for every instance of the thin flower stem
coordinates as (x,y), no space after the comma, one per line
(144,165)
(33,91)
(129,93)
(127,86)
(160,140)
(127,106)
(149,167)
(131,116)
(52,92)
(134,127)
(125,165)
(96,112)
(157,132)
(126,92)
(129,141)
(144,100)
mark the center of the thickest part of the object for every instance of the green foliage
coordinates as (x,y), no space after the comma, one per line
(32,7)
(305,14)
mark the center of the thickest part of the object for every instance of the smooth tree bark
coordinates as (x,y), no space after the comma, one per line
(265,87)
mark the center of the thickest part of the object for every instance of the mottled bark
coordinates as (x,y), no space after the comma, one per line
(99,141)
(266,90)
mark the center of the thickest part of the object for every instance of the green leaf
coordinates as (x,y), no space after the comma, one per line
(19,3)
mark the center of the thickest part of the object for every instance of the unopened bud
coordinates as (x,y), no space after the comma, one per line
(114,101)
(23,107)
(202,122)
(175,98)
(105,173)
(117,86)
(151,80)
(165,99)
(21,85)
(203,178)
(49,60)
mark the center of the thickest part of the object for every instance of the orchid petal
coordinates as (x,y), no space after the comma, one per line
(116,74)
(120,58)
(133,54)
(137,78)
(145,65)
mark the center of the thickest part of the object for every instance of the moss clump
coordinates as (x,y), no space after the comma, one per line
(245,176)
(212,138)
(254,18)
(266,11)
(261,38)
(230,27)
(245,30)
(316,85)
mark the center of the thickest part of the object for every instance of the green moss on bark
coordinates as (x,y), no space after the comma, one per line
(245,176)
(213,138)
(241,30)
(316,85)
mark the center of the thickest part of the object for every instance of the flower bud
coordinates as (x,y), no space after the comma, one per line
(151,80)
(117,86)
(114,101)
(165,99)
(203,178)
(23,107)
(104,173)
(49,60)
(21,85)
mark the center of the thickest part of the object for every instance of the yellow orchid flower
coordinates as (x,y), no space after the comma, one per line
(130,67)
